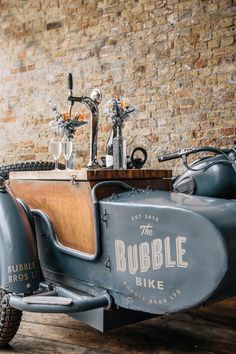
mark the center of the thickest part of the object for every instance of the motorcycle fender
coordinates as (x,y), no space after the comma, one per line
(19,264)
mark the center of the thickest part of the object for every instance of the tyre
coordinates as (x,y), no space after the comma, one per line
(9,321)
(27,166)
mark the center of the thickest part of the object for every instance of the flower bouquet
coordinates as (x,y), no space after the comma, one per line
(118,110)
(65,124)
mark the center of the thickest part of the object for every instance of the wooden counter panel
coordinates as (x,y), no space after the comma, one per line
(68,206)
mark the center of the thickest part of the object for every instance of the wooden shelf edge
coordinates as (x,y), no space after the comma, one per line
(90,175)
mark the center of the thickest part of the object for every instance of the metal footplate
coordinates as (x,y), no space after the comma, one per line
(58,300)
(47,300)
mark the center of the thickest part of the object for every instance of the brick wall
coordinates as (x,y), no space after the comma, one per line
(175,60)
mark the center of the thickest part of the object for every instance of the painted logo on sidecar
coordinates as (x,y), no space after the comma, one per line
(148,267)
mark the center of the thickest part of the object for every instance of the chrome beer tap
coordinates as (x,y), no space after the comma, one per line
(70,88)
(92,103)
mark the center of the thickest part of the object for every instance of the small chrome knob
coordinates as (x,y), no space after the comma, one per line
(96,96)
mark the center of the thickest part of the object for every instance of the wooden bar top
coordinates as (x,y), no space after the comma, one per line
(91,175)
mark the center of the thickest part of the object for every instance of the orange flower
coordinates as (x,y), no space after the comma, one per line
(66,116)
(122,104)
(81,116)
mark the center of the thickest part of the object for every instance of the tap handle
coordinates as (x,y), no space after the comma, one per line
(70,83)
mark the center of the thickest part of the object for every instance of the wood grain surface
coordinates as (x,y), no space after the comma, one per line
(209,330)
(89,174)
(69,205)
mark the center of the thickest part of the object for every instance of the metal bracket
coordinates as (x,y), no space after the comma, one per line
(108,263)
(114,196)
(105,217)
(149,189)
(134,191)
(74,180)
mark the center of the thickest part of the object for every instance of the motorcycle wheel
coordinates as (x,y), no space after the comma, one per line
(27,166)
(9,321)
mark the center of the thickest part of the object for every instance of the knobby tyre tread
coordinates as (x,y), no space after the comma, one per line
(27,166)
(9,322)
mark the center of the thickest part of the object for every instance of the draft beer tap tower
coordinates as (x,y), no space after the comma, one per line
(92,103)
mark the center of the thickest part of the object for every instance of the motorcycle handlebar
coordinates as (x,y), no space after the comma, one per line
(168,157)
(175,155)
(186,152)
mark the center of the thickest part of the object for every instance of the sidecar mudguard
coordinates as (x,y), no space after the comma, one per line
(210,177)
(19,264)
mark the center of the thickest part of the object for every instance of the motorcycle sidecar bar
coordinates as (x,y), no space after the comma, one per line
(137,252)
(67,221)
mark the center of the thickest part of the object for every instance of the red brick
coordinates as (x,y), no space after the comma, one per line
(30,67)
(200,63)
(173,59)
(8,120)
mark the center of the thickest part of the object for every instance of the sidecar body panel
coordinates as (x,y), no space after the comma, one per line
(161,252)
(169,252)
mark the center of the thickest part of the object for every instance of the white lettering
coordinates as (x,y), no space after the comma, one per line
(144,256)
(169,262)
(157,256)
(133,259)
(146,230)
(151,255)
(15,268)
(120,256)
(149,283)
(180,251)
